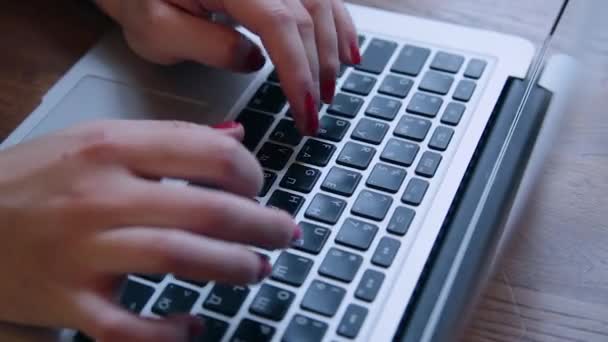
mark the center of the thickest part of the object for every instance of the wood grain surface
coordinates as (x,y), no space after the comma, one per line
(552,282)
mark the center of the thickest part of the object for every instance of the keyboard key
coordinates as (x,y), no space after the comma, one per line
(376,56)
(271,302)
(269,98)
(252,331)
(428,164)
(386,178)
(372,205)
(156,278)
(411,60)
(226,299)
(386,252)
(401,221)
(370,131)
(342,70)
(464,91)
(286,201)
(400,152)
(174,299)
(383,108)
(291,269)
(323,298)
(304,329)
(357,234)
(436,82)
(300,178)
(256,125)
(313,238)
(353,319)
(396,86)
(273,156)
(453,113)
(415,191)
(447,62)
(345,105)
(441,138)
(81,337)
(315,152)
(332,129)
(475,69)
(135,296)
(369,286)
(214,331)
(274,76)
(423,104)
(341,181)
(286,133)
(269,179)
(325,209)
(356,155)
(412,128)
(358,84)
(340,265)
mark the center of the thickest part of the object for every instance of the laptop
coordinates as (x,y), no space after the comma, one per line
(402,196)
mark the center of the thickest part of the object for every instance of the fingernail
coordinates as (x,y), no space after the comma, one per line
(227,125)
(313,115)
(328,90)
(255,59)
(355,54)
(297,234)
(265,268)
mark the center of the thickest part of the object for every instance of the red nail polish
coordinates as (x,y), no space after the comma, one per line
(297,234)
(255,59)
(227,125)
(313,115)
(265,268)
(328,90)
(355,54)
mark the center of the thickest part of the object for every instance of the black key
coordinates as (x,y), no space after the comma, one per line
(316,153)
(323,298)
(252,331)
(156,278)
(313,238)
(453,113)
(376,56)
(383,108)
(428,164)
(342,70)
(135,296)
(286,133)
(269,98)
(174,299)
(286,201)
(345,105)
(401,221)
(274,76)
(386,252)
(415,191)
(81,337)
(410,61)
(214,331)
(386,178)
(256,125)
(396,86)
(340,265)
(341,181)
(370,131)
(464,91)
(269,179)
(436,82)
(423,104)
(304,329)
(358,84)
(226,299)
(400,152)
(413,128)
(332,129)
(353,319)
(273,156)
(271,302)
(356,155)
(441,138)
(300,178)
(357,234)
(372,205)
(325,209)
(475,69)
(291,269)
(447,62)
(369,286)
(360,39)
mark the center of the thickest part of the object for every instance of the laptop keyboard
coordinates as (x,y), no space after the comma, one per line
(355,189)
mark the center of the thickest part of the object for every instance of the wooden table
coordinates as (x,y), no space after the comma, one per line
(552,283)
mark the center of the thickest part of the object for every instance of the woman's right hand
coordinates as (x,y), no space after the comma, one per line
(83,207)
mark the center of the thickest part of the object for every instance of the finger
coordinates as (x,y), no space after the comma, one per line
(348,41)
(191,6)
(232,129)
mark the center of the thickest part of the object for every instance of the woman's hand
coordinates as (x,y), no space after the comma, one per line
(306,39)
(81,208)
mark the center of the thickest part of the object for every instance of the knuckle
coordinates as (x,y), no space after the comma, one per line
(97,142)
(315,6)
(305,23)
(154,13)
(281,16)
